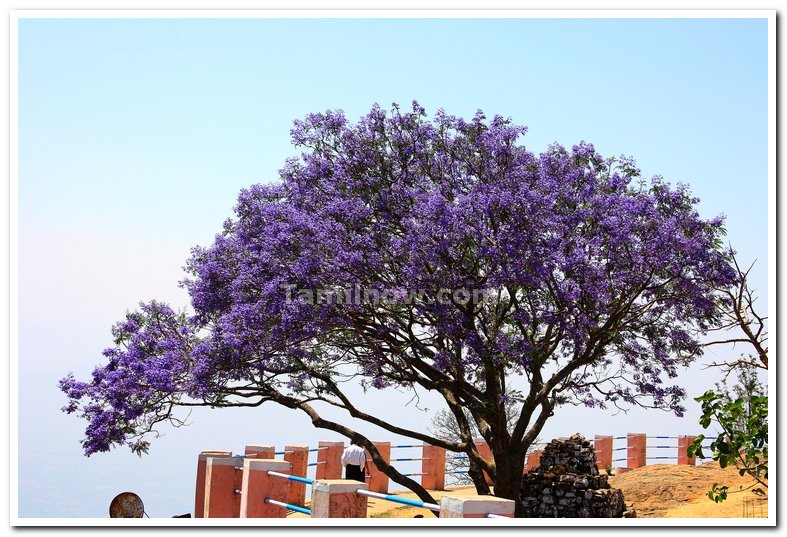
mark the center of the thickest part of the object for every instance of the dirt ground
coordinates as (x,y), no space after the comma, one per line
(671,491)
(656,491)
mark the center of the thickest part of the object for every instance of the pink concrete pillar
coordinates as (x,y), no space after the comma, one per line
(223,482)
(475,506)
(260,452)
(258,485)
(483,449)
(199,496)
(533,459)
(298,457)
(636,451)
(603,447)
(378,481)
(336,498)
(433,467)
(329,459)
(684,441)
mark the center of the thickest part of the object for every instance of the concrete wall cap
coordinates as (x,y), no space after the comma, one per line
(477,505)
(328,443)
(225,461)
(338,486)
(217,453)
(260,447)
(293,447)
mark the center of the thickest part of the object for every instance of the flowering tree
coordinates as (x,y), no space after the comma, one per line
(434,255)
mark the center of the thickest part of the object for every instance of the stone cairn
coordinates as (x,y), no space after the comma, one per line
(567,484)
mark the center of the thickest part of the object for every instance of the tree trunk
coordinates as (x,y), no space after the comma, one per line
(479,480)
(510,465)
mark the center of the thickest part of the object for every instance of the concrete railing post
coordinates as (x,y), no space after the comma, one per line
(603,447)
(378,481)
(433,467)
(258,485)
(684,441)
(329,459)
(336,498)
(199,493)
(475,506)
(260,452)
(485,451)
(298,457)
(533,460)
(222,481)
(636,452)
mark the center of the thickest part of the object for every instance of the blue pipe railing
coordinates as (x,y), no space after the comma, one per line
(296,508)
(297,478)
(397,499)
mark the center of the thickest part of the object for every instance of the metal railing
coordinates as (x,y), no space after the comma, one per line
(292,507)
(397,499)
(297,478)
(296,508)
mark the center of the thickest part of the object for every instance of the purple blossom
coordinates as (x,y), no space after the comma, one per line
(592,270)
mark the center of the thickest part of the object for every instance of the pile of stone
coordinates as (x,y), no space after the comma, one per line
(567,484)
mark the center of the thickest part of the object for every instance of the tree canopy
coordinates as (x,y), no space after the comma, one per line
(432,254)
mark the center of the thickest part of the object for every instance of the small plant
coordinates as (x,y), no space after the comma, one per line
(744,441)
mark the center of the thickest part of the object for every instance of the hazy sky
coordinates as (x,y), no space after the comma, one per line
(135,137)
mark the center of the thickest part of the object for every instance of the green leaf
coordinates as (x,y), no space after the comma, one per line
(705,422)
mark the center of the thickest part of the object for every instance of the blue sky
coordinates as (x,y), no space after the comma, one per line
(136,135)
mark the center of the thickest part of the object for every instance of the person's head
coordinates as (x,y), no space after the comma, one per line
(354,442)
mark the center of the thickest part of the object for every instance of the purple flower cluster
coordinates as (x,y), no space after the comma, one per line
(143,377)
(597,278)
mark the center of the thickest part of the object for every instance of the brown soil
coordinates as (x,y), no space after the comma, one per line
(656,491)
(671,491)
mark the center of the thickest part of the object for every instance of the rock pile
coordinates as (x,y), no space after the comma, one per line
(567,484)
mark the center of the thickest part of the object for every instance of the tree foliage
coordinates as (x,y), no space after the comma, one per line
(741,415)
(742,440)
(593,284)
